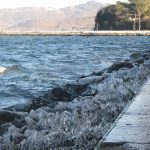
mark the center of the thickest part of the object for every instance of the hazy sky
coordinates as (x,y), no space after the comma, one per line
(45,3)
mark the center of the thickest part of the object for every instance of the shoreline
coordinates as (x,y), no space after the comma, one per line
(78,33)
(77,115)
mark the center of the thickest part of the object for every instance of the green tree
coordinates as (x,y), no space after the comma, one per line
(142,7)
(148,8)
(121,10)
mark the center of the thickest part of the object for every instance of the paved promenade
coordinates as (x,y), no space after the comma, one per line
(81,33)
(132,129)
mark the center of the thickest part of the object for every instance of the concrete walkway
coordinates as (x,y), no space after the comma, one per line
(82,33)
(132,129)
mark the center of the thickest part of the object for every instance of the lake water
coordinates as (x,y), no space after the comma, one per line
(35,64)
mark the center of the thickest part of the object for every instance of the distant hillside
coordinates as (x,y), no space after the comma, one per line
(120,17)
(80,17)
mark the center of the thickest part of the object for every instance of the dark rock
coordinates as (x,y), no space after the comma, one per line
(23,129)
(12,117)
(147,51)
(18,107)
(99,73)
(69,142)
(138,60)
(51,97)
(65,93)
(76,89)
(4,128)
(7,116)
(60,94)
(36,103)
(89,92)
(135,55)
(18,139)
(146,56)
(119,65)
(83,76)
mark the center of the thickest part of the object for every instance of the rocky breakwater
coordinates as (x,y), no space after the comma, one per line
(75,116)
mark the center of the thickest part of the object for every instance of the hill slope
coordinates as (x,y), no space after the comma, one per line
(80,17)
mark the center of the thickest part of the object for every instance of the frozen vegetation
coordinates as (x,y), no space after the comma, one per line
(75,116)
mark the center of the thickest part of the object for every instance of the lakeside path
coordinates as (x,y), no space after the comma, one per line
(81,33)
(132,128)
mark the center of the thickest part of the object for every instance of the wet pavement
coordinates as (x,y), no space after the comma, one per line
(131,131)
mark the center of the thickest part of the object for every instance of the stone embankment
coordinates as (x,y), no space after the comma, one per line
(81,33)
(132,129)
(78,115)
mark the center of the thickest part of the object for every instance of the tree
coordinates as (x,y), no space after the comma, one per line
(142,7)
(148,8)
(122,16)
(121,10)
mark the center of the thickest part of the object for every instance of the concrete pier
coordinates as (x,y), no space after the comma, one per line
(131,131)
(80,33)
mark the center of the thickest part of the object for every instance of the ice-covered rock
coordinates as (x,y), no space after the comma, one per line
(90,80)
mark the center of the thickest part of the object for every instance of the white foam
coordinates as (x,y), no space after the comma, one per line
(2,69)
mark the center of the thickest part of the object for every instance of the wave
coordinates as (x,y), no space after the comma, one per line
(14,67)
(2,70)
(9,68)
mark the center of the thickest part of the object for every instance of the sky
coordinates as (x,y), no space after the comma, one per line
(46,3)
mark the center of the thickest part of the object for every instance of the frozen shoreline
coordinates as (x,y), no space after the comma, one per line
(81,33)
(75,115)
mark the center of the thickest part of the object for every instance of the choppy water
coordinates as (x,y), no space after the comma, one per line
(35,64)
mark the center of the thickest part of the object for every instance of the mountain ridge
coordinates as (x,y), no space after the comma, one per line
(78,17)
